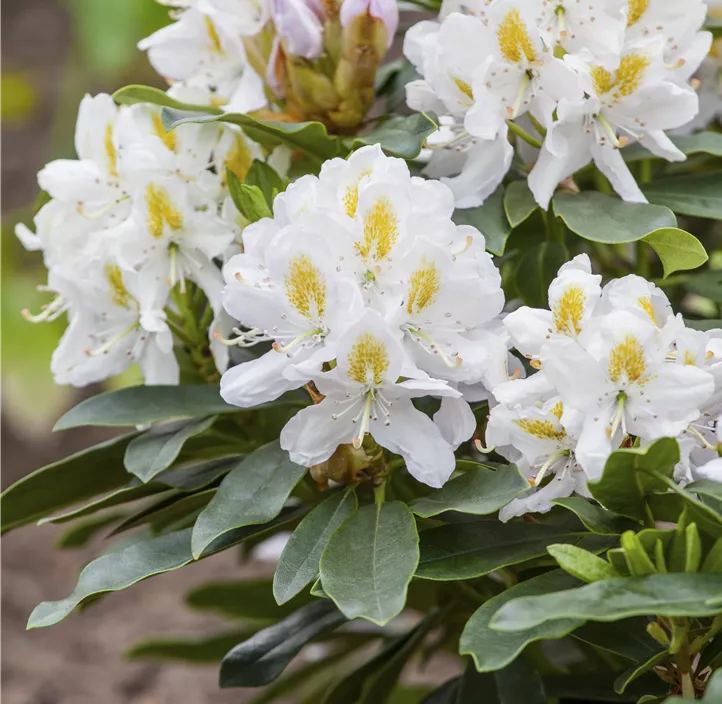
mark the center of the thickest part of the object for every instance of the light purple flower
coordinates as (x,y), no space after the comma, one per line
(300,27)
(385,10)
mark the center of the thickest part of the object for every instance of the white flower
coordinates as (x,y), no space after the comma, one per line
(362,396)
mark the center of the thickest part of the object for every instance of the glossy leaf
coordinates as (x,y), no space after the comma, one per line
(490,219)
(581,564)
(519,683)
(400,136)
(193,476)
(519,203)
(370,560)
(298,564)
(613,599)
(677,249)
(131,95)
(156,449)
(633,673)
(80,534)
(472,549)
(627,637)
(249,200)
(698,195)
(536,269)
(478,491)
(263,657)
(253,492)
(78,477)
(601,218)
(594,518)
(493,650)
(263,175)
(203,650)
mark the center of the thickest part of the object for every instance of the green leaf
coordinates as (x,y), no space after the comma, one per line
(65,483)
(673,595)
(519,203)
(400,136)
(138,405)
(265,655)
(265,177)
(581,564)
(253,492)
(131,95)
(311,138)
(677,249)
(625,483)
(249,200)
(370,560)
(707,284)
(627,637)
(536,269)
(601,218)
(594,518)
(157,449)
(518,683)
(469,550)
(706,487)
(203,650)
(493,650)
(698,195)
(633,673)
(713,559)
(478,491)
(78,535)
(298,564)
(596,688)
(490,219)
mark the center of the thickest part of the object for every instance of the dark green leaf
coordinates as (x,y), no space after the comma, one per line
(519,683)
(157,448)
(536,269)
(253,492)
(78,535)
(298,564)
(446,694)
(400,136)
(130,95)
(624,483)
(703,324)
(69,481)
(698,195)
(633,673)
(707,284)
(601,218)
(597,688)
(613,599)
(493,650)
(469,550)
(627,637)
(677,249)
(370,560)
(197,475)
(138,405)
(264,656)
(490,219)
(519,203)
(711,654)
(594,518)
(203,650)
(478,491)
(713,559)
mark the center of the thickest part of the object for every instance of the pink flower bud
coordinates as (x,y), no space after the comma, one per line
(299,26)
(385,10)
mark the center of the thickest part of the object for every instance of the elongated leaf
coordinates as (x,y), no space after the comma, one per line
(265,177)
(493,650)
(612,599)
(370,560)
(582,564)
(536,269)
(131,95)
(601,218)
(249,200)
(699,195)
(490,219)
(677,249)
(469,550)
(264,656)
(81,476)
(478,491)
(298,564)
(519,203)
(707,284)
(311,138)
(196,475)
(519,683)
(706,487)
(400,136)
(254,492)
(80,534)
(624,483)
(138,405)
(446,694)
(627,637)
(157,449)
(594,518)
(596,688)
(633,673)
(204,650)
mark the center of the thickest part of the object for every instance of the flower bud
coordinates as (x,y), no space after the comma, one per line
(300,27)
(386,11)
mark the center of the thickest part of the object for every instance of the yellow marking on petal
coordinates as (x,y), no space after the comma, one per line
(569,310)
(645,303)
(424,285)
(239,159)
(625,80)
(381,230)
(602,80)
(168,138)
(110,153)
(213,36)
(118,292)
(350,198)
(161,211)
(542,429)
(464,87)
(514,40)
(636,9)
(305,287)
(368,360)
(627,360)
(558,410)
(689,358)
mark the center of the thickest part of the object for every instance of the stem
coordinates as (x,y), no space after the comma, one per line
(643,263)
(645,171)
(554,232)
(523,134)
(537,125)
(380,493)
(680,648)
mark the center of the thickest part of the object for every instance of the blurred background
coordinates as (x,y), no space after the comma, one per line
(53,52)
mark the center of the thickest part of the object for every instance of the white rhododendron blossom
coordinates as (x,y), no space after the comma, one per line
(591,76)
(366,287)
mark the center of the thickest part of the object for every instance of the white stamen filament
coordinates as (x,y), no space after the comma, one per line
(103,211)
(545,467)
(704,441)
(512,112)
(104,349)
(365,417)
(50,312)
(243,339)
(303,336)
(433,347)
(464,247)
